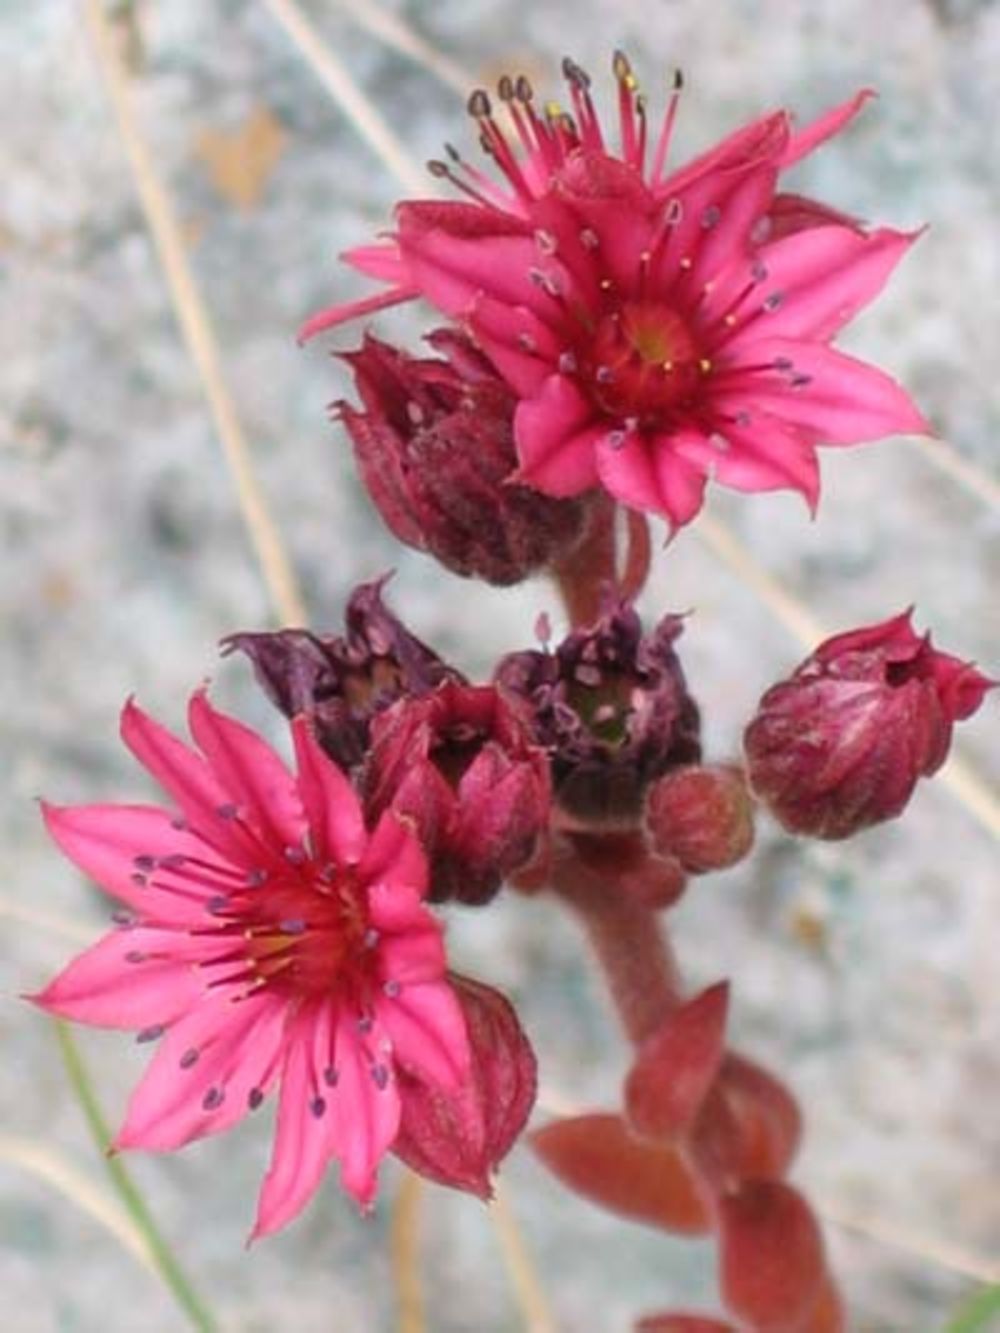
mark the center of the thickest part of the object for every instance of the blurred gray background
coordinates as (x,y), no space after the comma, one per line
(866,973)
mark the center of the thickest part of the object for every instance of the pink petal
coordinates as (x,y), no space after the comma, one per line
(333,811)
(382,262)
(806,140)
(761,141)
(111,844)
(455,253)
(763,454)
(219,1049)
(366,1109)
(556,433)
(394,865)
(817,281)
(739,202)
(652,474)
(186,778)
(333,315)
(251,773)
(428,1032)
(415,954)
(521,347)
(304,1141)
(131,978)
(835,398)
(612,202)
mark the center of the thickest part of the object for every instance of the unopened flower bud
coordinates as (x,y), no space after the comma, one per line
(341,682)
(435,448)
(458,1137)
(841,744)
(702,815)
(611,706)
(461,764)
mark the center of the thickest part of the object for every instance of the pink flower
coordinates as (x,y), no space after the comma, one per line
(274,943)
(658,329)
(842,743)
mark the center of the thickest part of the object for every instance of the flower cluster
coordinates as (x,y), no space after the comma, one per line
(617,335)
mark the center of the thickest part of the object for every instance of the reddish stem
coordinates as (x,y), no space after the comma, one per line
(582,574)
(630,946)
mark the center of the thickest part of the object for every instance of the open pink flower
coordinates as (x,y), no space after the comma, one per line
(273,941)
(658,329)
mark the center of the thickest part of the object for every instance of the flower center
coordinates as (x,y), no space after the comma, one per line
(642,360)
(304,932)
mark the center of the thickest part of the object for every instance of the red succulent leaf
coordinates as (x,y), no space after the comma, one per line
(459,1137)
(682,1323)
(749,1126)
(676,1067)
(595,1156)
(771,1263)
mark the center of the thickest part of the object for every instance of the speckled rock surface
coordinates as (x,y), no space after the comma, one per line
(866,972)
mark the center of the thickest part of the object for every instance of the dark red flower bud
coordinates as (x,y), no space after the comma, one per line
(435,449)
(597,1157)
(612,708)
(459,1139)
(842,743)
(702,815)
(462,765)
(340,683)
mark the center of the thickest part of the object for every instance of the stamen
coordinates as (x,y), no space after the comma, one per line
(153,1033)
(144,863)
(773,301)
(380,1077)
(317,1107)
(213,1099)
(190,1058)
(295,855)
(292,926)
(392,989)
(254,1098)
(136,956)
(666,131)
(330,1076)
(255,878)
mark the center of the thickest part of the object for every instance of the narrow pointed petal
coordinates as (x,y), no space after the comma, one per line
(304,1142)
(366,1107)
(817,280)
(396,867)
(128,979)
(754,451)
(252,774)
(115,846)
(521,346)
(336,824)
(383,262)
(427,1030)
(654,474)
(414,951)
(556,433)
(200,1079)
(832,397)
(186,778)
(331,316)
(824,127)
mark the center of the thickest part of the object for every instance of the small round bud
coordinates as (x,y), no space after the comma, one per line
(702,815)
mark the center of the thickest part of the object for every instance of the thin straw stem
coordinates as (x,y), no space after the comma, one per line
(363,114)
(524,1279)
(192,315)
(405,1253)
